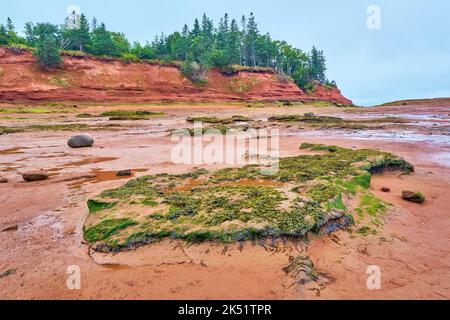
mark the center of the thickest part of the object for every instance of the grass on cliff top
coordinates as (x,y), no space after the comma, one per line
(237,204)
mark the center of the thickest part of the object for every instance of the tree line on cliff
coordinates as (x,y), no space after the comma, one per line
(200,47)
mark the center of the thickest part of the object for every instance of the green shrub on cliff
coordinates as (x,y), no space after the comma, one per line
(48,54)
(194,71)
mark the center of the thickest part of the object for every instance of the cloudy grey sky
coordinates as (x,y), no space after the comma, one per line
(409,57)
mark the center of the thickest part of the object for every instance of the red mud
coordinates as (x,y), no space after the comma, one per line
(41,223)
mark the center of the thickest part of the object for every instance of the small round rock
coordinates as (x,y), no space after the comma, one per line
(124,173)
(81,141)
(35,176)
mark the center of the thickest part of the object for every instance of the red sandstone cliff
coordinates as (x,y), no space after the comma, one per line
(108,80)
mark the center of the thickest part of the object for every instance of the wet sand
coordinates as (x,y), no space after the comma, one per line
(43,221)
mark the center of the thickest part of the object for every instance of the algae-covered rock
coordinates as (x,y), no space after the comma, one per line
(415,197)
(307,194)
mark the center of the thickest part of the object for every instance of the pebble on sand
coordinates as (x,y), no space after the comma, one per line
(81,141)
(35,176)
(124,173)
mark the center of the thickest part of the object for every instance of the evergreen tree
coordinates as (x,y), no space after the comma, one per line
(265,51)
(177,46)
(202,47)
(243,37)
(207,27)
(196,30)
(37,33)
(121,43)
(84,34)
(102,42)
(185,42)
(207,34)
(79,37)
(199,50)
(251,37)
(234,44)
(48,53)
(3,35)
(29,34)
(317,65)
(11,30)
(160,47)
(94,24)
(222,33)
(10,26)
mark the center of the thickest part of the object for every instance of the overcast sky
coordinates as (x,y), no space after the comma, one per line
(409,57)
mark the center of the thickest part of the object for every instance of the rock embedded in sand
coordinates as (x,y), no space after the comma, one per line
(10,228)
(124,173)
(415,197)
(81,141)
(35,176)
(3,180)
(385,189)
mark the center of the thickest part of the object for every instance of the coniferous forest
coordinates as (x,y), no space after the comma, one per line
(227,45)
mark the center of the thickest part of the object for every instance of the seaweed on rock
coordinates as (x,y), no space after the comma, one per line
(306,195)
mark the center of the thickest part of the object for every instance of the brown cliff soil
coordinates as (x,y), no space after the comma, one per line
(109,80)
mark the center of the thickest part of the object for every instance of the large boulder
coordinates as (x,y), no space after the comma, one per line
(35,176)
(415,197)
(3,180)
(81,141)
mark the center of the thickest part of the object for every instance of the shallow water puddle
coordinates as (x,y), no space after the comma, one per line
(191,184)
(80,163)
(102,176)
(11,151)
(409,136)
(89,161)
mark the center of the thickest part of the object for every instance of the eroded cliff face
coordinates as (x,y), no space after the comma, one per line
(108,80)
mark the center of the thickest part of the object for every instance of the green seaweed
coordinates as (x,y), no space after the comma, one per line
(106,229)
(97,206)
(238,204)
(366,231)
(215,120)
(121,115)
(372,205)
